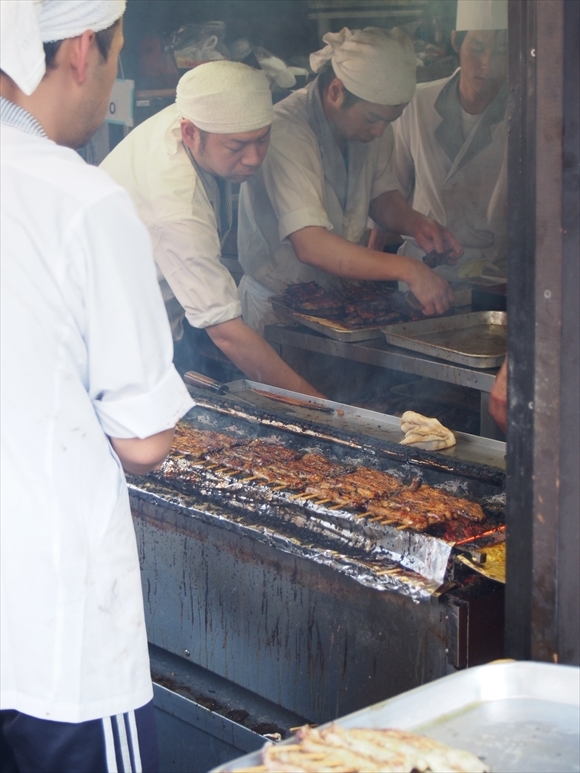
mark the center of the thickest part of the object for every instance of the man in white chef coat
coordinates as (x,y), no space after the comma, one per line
(303,215)
(451,144)
(178,167)
(88,388)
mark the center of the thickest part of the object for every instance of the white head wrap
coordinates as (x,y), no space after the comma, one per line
(376,65)
(481,15)
(225,98)
(27,24)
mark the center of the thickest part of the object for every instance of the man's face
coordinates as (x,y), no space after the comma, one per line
(484,60)
(100,78)
(365,121)
(233,157)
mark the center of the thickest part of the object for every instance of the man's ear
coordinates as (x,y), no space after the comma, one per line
(453,43)
(79,52)
(189,132)
(335,92)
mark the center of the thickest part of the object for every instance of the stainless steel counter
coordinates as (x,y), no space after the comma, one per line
(377,352)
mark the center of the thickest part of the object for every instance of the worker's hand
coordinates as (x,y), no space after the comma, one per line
(498,398)
(431,235)
(431,290)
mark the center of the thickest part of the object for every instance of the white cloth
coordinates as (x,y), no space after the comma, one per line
(460,182)
(374,64)
(86,353)
(151,164)
(426,433)
(481,15)
(225,98)
(304,181)
(26,24)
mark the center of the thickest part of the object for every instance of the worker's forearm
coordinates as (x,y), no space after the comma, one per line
(256,358)
(141,455)
(392,213)
(322,249)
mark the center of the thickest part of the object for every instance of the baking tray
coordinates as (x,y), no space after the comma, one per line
(477,340)
(517,717)
(327,327)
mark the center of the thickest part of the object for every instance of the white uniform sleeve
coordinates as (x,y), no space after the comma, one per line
(384,179)
(187,250)
(404,164)
(134,388)
(294,180)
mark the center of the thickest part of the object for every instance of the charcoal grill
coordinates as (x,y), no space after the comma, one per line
(316,612)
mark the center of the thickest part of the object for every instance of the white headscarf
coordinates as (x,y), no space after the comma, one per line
(481,15)
(225,98)
(376,65)
(27,24)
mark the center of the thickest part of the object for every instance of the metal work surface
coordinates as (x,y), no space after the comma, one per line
(477,339)
(470,448)
(517,717)
(382,354)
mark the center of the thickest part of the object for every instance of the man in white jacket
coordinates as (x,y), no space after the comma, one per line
(450,153)
(178,167)
(88,388)
(303,215)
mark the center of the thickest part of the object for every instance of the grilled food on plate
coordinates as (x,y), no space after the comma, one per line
(360,750)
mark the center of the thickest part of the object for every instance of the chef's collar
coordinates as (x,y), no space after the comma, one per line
(18,118)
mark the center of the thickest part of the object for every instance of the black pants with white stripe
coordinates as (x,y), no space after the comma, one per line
(125,743)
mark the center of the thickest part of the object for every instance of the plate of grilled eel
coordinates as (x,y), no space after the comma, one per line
(351,312)
(363,750)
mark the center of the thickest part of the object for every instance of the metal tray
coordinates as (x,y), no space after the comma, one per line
(517,717)
(327,327)
(477,339)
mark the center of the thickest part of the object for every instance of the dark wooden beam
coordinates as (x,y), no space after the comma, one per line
(542,437)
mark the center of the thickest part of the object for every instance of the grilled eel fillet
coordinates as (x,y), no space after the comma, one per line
(382,496)
(197,442)
(358,750)
(355,488)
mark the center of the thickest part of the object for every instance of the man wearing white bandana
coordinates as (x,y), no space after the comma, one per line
(329,166)
(88,388)
(451,144)
(178,167)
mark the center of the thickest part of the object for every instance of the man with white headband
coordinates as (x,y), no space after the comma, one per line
(329,167)
(88,388)
(451,144)
(179,167)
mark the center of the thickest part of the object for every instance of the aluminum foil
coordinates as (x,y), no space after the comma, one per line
(294,535)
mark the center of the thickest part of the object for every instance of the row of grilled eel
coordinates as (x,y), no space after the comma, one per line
(372,493)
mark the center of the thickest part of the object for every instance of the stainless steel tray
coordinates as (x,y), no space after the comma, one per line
(327,327)
(517,717)
(477,339)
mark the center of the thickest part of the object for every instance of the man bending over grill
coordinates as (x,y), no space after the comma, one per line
(179,167)
(88,387)
(329,166)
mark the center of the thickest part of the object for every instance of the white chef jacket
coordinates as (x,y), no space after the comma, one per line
(152,165)
(459,181)
(305,181)
(86,353)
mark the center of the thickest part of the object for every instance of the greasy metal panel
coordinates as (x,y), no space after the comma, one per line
(297,633)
